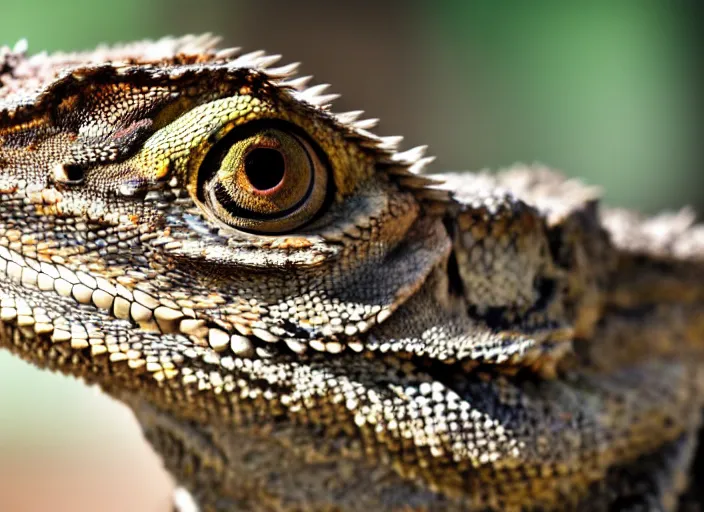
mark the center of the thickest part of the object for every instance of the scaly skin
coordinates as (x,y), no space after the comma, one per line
(318,326)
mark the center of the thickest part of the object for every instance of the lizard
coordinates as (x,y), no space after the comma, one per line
(301,318)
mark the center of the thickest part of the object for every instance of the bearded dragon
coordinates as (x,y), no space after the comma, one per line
(300,319)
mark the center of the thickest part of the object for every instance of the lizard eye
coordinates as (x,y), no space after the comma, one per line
(267,180)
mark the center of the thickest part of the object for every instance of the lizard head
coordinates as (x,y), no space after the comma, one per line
(171,212)
(208,195)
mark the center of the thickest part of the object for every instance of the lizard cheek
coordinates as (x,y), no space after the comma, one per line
(270,182)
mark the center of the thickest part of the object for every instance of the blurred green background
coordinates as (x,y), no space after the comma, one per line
(608,91)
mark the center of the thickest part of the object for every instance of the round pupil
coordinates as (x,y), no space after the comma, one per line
(265,168)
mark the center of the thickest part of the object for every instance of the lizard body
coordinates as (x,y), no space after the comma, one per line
(300,320)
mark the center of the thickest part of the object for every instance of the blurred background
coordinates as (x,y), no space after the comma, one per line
(607,91)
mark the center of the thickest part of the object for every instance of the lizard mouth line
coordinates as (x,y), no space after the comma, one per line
(146,311)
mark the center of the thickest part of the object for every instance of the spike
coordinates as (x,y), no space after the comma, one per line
(324,100)
(349,117)
(283,71)
(398,170)
(390,143)
(266,61)
(373,138)
(410,156)
(20,46)
(417,167)
(247,60)
(194,44)
(314,90)
(314,96)
(297,83)
(366,124)
(415,181)
(228,53)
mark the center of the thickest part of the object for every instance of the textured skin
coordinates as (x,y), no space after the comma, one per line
(480,342)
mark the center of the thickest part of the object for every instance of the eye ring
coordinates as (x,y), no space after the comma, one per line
(265,177)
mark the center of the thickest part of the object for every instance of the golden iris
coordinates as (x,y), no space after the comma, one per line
(271,181)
